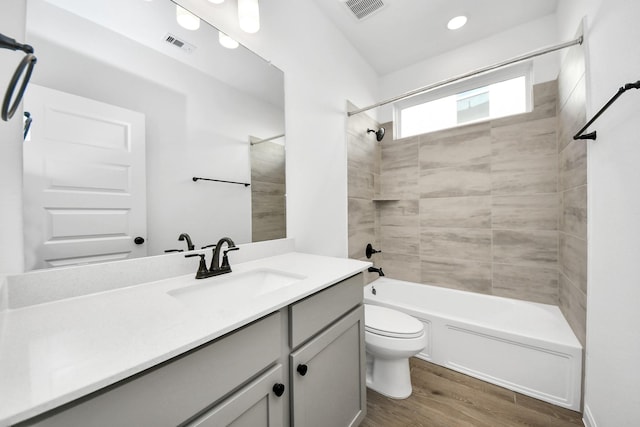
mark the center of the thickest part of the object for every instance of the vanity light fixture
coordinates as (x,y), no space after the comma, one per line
(227,41)
(457,22)
(249,15)
(187,19)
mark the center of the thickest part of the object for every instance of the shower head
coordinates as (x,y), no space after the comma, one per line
(379,133)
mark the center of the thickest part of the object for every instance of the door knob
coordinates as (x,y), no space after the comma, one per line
(278,389)
(302,369)
(138,240)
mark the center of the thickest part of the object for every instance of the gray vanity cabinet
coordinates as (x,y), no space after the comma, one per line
(250,377)
(327,365)
(255,405)
(327,376)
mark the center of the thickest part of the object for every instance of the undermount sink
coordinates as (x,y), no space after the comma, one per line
(233,287)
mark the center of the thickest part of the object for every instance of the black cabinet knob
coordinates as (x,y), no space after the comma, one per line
(138,240)
(278,389)
(302,369)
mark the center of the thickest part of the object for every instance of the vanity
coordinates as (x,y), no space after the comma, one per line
(277,342)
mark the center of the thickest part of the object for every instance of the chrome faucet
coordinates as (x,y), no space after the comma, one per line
(216,268)
(185,236)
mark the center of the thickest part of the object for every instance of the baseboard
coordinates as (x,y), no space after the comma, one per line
(587,417)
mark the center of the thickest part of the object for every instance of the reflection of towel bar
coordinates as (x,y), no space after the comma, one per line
(195,178)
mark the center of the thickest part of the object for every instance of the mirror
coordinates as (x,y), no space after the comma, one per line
(127,107)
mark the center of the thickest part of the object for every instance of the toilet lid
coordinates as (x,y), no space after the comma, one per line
(391,323)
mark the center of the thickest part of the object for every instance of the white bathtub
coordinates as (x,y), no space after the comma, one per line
(524,346)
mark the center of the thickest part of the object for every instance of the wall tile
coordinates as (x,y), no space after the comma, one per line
(362,153)
(573,115)
(526,283)
(401,240)
(525,176)
(465,275)
(573,165)
(537,211)
(456,243)
(468,180)
(456,212)
(268,215)
(400,183)
(400,213)
(361,183)
(398,154)
(573,304)
(361,213)
(400,266)
(515,133)
(358,239)
(456,147)
(574,212)
(573,260)
(533,248)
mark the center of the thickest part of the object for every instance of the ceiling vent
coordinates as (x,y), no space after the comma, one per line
(181,44)
(364,8)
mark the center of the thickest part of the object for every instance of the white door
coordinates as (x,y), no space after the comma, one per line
(84,181)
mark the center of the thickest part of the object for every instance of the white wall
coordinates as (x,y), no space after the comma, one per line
(322,70)
(491,50)
(613,305)
(12,13)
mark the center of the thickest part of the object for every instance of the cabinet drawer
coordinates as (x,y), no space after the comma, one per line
(255,405)
(312,314)
(174,391)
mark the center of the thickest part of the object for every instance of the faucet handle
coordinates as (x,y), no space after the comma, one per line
(209,246)
(202,267)
(225,259)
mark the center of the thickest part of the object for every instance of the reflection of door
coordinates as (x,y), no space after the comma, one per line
(84,181)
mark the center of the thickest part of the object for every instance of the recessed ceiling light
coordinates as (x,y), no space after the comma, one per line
(457,22)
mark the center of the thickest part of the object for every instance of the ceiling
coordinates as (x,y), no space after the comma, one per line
(404,32)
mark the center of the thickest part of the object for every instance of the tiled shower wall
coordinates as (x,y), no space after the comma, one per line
(268,203)
(573,192)
(477,207)
(363,159)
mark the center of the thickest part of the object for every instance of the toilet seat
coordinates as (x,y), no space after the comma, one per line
(391,323)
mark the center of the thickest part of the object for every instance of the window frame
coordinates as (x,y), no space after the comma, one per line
(507,73)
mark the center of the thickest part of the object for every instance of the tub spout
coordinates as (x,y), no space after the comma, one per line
(376,270)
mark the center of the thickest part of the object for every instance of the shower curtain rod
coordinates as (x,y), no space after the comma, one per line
(260,141)
(427,88)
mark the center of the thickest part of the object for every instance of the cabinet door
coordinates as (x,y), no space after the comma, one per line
(255,405)
(328,376)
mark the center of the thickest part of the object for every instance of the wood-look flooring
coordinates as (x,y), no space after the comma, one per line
(445,398)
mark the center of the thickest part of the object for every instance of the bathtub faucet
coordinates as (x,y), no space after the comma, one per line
(376,270)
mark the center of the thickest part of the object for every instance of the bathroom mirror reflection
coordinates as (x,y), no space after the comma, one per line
(127,107)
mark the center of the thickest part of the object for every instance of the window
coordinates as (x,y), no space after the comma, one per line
(498,94)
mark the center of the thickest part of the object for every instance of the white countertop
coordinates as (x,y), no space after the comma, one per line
(56,352)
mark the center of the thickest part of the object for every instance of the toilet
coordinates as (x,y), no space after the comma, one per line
(391,338)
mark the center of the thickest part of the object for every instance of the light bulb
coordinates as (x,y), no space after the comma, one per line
(249,15)
(457,22)
(227,41)
(187,19)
